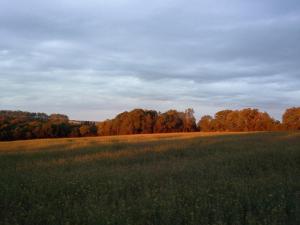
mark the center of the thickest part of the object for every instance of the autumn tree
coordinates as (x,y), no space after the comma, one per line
(16,125)
(137,121)
(291,119)
(221,122)
(105,128)
(88,129)
(189,122)
(204,123)
(239,120)
(170,121)
(58,118)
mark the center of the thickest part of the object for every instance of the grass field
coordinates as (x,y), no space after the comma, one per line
(171,179)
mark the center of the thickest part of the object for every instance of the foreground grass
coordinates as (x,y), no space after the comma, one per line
(171,179)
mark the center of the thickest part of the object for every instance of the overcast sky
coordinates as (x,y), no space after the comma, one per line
(92,59)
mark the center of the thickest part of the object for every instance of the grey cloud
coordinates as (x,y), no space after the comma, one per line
(97,58)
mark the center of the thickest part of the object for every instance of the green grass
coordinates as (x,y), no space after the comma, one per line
(232,179)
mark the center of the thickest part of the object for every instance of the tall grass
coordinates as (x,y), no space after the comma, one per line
(173,179)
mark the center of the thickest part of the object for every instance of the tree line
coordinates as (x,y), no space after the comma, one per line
(17,125)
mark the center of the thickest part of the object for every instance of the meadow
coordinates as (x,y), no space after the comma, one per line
(169,179)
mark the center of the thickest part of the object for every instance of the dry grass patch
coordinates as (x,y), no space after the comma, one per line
(77,143)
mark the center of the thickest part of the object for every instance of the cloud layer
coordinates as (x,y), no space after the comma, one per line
(92,59)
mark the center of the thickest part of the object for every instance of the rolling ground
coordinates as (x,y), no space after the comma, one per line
(193,178)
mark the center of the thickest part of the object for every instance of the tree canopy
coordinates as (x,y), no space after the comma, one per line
(16,125)
(239,120)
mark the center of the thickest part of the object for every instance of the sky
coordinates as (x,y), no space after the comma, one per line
(92,59)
